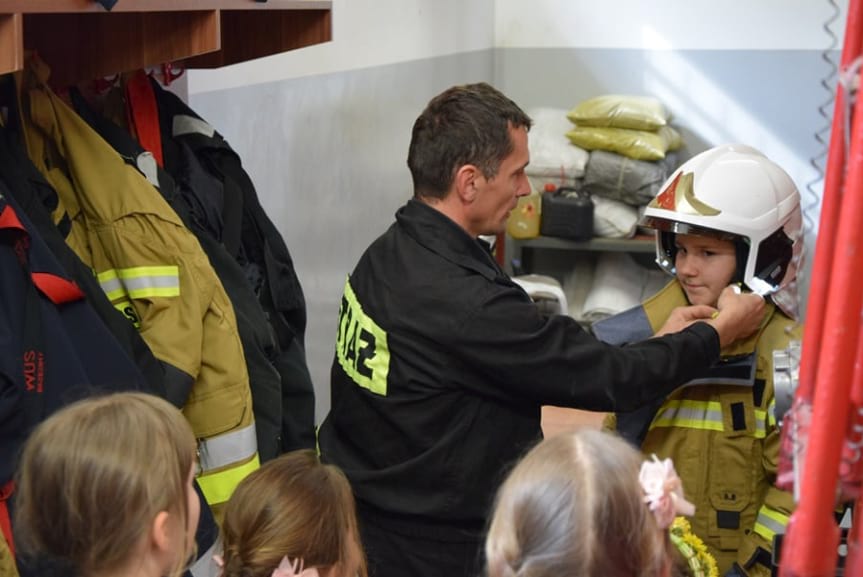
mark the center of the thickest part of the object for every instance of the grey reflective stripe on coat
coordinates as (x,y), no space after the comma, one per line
(185,124)
(690,415)
(223,450)
(703,415)
(770,523)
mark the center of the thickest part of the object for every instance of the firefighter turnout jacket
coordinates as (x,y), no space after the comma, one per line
(154,271)
(721,433)
(442,363)
(188,198)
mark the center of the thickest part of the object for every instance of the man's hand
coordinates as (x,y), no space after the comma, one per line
(739,315)
(682,317)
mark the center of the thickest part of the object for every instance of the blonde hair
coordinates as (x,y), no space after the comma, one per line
(574,506)
(94,476)
(296,507)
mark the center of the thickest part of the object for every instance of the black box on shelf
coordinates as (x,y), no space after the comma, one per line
(567,213)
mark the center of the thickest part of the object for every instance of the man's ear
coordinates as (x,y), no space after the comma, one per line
(466,181)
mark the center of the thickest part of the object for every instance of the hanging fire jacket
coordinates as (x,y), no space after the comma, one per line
(37,200)
(154,271)
(721,433)
(253,240)
(259,347)
(53,350)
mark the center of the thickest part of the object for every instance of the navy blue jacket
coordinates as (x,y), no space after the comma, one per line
(54,349)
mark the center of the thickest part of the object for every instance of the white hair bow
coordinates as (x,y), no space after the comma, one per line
(663,491)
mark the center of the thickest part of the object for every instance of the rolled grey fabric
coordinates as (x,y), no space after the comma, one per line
(618,177)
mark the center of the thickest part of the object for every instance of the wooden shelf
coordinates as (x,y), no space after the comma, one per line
(91,6)
(522,251)
(250,34)
(81,40)
(644,244)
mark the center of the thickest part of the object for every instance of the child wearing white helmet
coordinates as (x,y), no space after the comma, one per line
(727,216)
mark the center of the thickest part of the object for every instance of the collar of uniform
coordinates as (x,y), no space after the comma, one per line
(438,233)
(660,305)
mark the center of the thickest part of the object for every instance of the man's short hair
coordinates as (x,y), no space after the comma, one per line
(466,124)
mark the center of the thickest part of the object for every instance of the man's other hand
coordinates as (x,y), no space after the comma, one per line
(739,315)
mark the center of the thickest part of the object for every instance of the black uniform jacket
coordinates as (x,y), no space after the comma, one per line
(442,364)
(194,151)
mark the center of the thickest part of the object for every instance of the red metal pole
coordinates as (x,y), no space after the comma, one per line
(834,177)
(813,537)
(795,428)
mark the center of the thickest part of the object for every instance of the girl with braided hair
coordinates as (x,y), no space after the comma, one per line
(292,517)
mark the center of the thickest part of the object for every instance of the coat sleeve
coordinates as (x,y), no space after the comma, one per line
(163,290)
(756,546)
(553,360)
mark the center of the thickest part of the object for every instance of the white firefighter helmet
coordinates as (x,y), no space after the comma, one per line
(734,191)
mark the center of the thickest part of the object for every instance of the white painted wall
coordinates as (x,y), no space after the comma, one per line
(665,24)
(369,33)
(665,30)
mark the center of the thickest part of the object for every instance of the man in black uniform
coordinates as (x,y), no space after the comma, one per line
(442,362)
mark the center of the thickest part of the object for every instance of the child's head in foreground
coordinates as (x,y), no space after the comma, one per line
(574,506)
(293,510)
(106,486)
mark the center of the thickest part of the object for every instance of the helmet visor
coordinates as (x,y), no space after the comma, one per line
(677,227)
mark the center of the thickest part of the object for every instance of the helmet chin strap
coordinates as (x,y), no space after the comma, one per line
(741,252)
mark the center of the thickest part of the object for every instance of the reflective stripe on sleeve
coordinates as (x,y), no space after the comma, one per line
(216,455)
(185,124)
(218,487)
(141,282)
(761,423)
(232,447)
(769,523)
